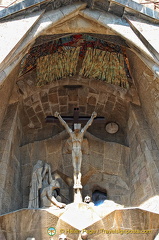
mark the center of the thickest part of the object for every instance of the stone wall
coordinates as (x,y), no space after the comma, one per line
(143,134)
(111,163)
(148,90)
(29,224)
(144,174)
(105,165)
(109,101)
(6,90)
(50,151)
(10,177)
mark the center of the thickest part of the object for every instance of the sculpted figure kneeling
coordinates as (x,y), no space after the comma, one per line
(47,199)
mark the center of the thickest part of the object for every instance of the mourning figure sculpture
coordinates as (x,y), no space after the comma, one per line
(36,185)
(47,197)
(43,187)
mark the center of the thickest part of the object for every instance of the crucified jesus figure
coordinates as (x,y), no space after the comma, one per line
(76,138)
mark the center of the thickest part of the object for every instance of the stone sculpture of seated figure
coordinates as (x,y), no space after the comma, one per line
(47,198)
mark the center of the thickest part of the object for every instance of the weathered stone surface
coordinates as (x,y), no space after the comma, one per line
(135,6)
(58,101)
(144,171)
(147,97)
(63,100)
(51,150)
(108,220)
(92,100)
(129,175)
(18,30)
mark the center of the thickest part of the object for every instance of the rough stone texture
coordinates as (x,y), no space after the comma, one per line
(104,98)
(110,162)
(49,151)
(129,181)
(148,90)
(144,172)
(5,92)
(135,6)
(34,222)
(78,24)
(152,204)
(55,17)
(112,102)
(120,224)
(10,165)
(106,20)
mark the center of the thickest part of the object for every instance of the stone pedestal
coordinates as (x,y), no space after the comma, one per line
(77,196)
(108,222)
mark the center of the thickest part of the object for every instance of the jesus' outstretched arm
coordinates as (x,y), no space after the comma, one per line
(89,123)
(68,129)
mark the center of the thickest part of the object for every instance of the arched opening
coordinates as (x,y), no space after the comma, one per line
(98,79)
(98,197)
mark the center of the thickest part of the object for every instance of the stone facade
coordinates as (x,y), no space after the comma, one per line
(100,167)
(10,161)
(103,99)
(124,164)
(147,85)
(35,223)
(143,167)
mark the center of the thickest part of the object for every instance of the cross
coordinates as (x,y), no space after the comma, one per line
(75,118)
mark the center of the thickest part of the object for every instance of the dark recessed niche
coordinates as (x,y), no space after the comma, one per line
(72,87)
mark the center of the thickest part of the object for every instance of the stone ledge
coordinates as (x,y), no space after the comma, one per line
(120,27)
(35,222)
(134,6)
(116,6)
(19,7)
(27,6)
(148,34)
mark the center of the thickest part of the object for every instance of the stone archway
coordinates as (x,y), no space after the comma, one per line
(59,20)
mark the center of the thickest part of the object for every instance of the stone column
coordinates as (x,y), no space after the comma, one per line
(144,172)
(7,135)
(77,196)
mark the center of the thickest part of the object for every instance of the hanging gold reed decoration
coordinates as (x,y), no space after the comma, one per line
(103,65)
(59,65)
(106,66)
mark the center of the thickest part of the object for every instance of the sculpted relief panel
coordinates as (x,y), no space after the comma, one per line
(43,185)
(104,166)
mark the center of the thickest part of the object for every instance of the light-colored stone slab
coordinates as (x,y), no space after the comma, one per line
(134,6)
(151,204)
(57,16)
(80,211)
(12,32)
(150,32)
(126,221)
(121,27)
(54,16)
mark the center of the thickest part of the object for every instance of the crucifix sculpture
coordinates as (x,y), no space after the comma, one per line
(74,119)
(76,136)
